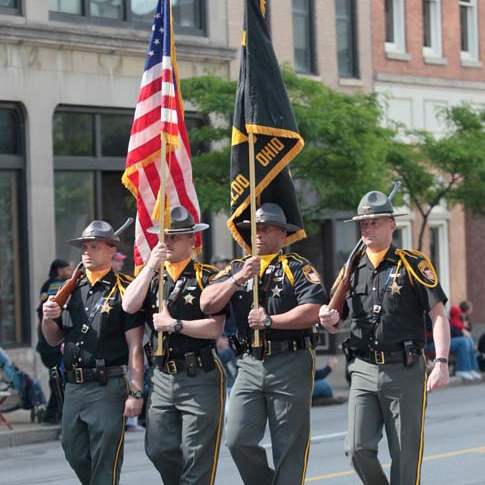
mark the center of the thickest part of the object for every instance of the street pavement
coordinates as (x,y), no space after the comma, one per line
(454,449)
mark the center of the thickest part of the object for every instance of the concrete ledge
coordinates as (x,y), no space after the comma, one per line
(28,435)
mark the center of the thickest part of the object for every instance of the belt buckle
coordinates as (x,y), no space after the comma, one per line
(379,357)
(376,309)
(78,375)
(171,367)
(268,349)
(84,328)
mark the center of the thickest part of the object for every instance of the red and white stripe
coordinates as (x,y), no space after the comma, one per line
(159,110)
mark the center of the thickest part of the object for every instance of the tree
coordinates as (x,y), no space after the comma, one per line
(345,143)
(450,167)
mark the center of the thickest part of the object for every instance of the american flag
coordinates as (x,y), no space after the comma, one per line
(159,113)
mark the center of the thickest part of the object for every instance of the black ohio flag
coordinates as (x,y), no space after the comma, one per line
(262,108)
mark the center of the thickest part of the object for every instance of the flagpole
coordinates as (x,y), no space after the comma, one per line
(252,197)
(160,351)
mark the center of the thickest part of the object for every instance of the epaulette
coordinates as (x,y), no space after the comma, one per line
(310,273)
(418,267)
(199,271)
(122,281)
(297,257)
(126,277)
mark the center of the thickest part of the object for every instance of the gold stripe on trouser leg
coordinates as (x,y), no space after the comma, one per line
(307,448)
(222,399)
(421,438)
(121,441)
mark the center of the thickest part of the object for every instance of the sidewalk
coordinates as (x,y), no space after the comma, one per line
(25,432)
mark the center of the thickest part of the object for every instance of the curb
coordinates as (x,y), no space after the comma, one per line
(29,435)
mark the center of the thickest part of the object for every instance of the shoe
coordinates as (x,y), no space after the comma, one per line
(465,375)
(476,375)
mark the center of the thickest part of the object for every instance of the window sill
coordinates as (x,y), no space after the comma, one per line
(440,61)
(351,81)
(398,56)
(470,62)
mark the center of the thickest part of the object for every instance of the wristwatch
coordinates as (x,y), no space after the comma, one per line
(135,394)
(177,328)
(267,322)
(441,359)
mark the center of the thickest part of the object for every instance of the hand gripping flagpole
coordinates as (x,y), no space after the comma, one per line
(256,343)
(160,351)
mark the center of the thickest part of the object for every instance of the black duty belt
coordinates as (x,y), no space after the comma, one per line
(292,345)
(379,357)
(190,362)
(80,375)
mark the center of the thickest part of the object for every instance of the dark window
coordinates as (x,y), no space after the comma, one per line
(10,7)
(346,18)
(74,7)
(390,37)
(189,15)
(434,247)
(115,134)
(14,302)
(110,9)
(89,162)
(303,35)
(427,27)
(9,3)
(465,24)
(9,136)
(73,134)
(90,150)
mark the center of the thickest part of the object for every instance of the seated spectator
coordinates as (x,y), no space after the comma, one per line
(322,391)
(466,310)
(462,346)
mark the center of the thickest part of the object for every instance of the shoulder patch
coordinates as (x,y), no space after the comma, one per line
(311,274)
(427,271)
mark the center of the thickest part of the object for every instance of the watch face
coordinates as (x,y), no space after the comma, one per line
(177,327)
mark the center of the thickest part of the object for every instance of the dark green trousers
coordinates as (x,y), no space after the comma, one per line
(392,397)
(185,417)
(93,430)
(276,391)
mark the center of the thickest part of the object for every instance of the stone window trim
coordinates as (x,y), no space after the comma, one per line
(129,20)
(469,49)
(396,44)
(433,31)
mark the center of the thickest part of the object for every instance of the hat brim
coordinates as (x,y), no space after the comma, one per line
(286,226)
(191,230)
(78,242)
(374,216)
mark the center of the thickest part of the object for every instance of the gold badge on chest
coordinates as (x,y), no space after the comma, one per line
(276,291)
(189,299)
(106,307)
